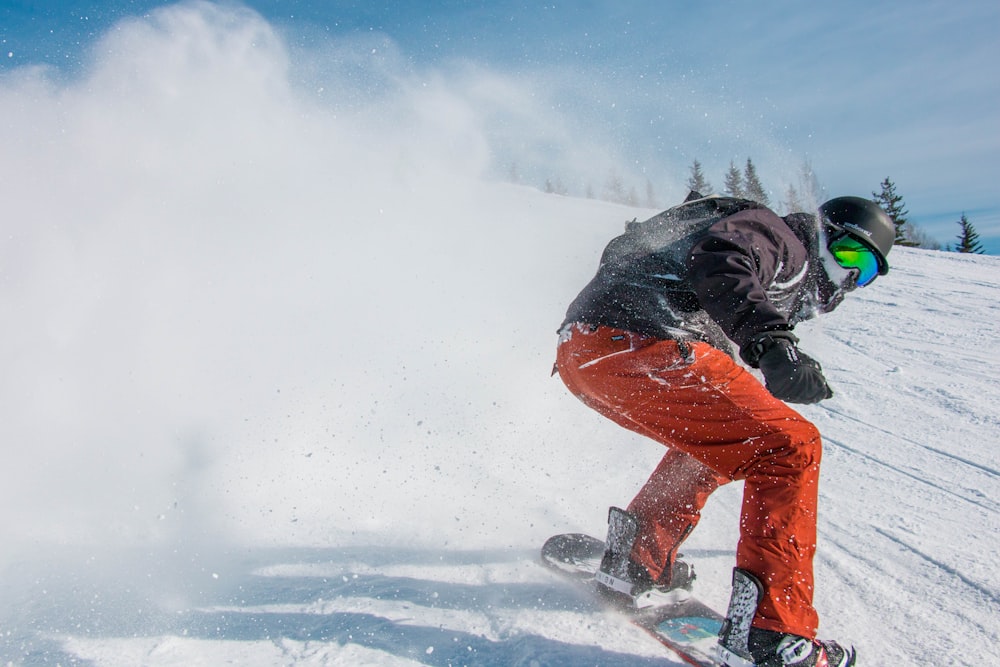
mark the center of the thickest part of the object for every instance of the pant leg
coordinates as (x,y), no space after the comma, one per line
(715,411)
(668,508)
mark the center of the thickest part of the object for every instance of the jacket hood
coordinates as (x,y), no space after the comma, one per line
(829,283)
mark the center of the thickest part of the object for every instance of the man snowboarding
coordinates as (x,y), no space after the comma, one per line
(649,343)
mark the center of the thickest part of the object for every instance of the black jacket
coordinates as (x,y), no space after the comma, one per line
(715,269)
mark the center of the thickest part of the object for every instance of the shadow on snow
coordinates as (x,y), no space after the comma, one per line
(127,601)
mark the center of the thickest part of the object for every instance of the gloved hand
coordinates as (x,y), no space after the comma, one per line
(788,374)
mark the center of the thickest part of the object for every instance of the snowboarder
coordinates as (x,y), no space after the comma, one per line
(648,343)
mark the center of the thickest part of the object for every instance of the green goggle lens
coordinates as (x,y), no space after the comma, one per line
(852,254)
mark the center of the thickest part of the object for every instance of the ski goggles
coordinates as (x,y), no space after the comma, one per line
(851,253)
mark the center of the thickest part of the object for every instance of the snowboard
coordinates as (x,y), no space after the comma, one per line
(676,619)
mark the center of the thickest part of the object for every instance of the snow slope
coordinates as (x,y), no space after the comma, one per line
(410,537)
(276,388)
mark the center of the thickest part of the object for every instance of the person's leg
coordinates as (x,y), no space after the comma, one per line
(668,508)
(706,405)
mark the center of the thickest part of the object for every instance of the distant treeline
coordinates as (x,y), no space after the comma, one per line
(806,195)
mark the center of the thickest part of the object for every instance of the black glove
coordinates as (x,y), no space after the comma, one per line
(788,374)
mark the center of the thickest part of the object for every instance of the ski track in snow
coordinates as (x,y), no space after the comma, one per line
(909,501)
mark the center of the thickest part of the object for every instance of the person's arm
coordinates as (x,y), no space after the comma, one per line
(728,270)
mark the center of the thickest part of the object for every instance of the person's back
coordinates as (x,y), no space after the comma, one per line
(641,283)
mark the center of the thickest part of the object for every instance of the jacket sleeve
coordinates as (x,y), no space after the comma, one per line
(732,266)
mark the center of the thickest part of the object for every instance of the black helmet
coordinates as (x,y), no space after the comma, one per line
(863,220)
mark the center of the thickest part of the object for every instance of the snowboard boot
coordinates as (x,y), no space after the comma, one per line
(741,645)
(619,575)
(775,649)
(735,632)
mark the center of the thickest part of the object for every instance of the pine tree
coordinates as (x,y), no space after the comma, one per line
(514,173)
(555,187)
(811,193)
(734,181)
(614,188)
(697,181)
(792,203)
(918,238)
(752,186)
(892,204)
(651,201)
(968,238)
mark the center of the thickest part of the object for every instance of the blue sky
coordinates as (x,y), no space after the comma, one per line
(860,90)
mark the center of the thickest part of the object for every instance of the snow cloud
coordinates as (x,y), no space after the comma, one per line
(205,265)
(267,289)
(260,293)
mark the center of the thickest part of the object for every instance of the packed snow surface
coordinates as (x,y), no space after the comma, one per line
(276,388)
(390,515)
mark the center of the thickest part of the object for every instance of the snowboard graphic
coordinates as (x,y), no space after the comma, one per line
(676,619)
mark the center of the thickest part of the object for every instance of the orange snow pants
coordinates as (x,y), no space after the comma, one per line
(719,424)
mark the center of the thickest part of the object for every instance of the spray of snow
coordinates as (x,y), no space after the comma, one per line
(241,307)
(242,312)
